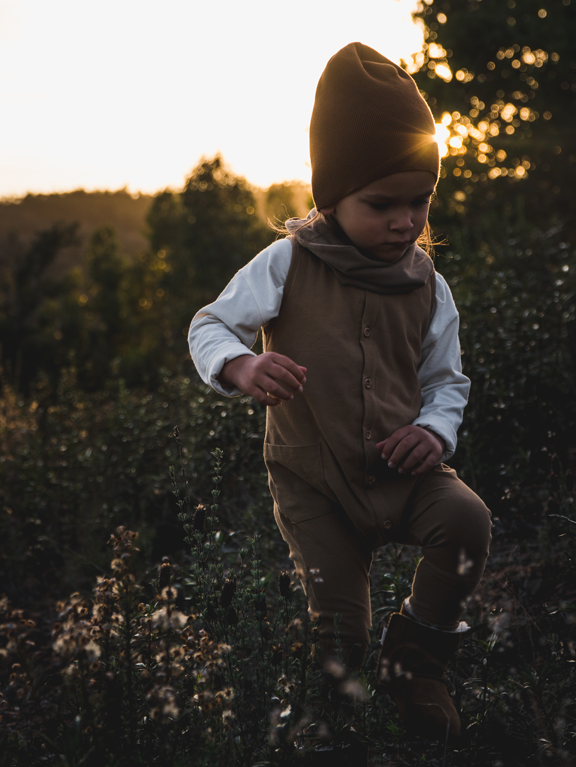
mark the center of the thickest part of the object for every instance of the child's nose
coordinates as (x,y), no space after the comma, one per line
(402,221)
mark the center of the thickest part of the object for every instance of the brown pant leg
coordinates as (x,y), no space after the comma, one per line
(329,556)
(453,526)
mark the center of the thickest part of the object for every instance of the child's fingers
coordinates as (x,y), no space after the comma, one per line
(266,399)
(402,454)
(426,465)
(285,378)
(278,388)
(415,457)
(289,365)
(272,374)
(412,449)
(389,446)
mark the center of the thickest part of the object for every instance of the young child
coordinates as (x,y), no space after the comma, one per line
(361,364)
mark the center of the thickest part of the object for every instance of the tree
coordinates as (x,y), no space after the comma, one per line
(25,288)
(501,77)
(199,238)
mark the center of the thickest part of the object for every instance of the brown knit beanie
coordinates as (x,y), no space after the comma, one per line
(369,121)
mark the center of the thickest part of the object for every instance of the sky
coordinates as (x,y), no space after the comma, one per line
(132,93)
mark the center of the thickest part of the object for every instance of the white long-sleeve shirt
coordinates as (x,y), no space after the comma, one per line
(227,328)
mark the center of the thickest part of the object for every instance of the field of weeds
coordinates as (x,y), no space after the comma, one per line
(180,637)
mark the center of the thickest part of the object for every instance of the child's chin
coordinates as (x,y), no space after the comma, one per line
(389,254)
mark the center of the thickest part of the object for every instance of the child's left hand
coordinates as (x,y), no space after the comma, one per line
(412,449)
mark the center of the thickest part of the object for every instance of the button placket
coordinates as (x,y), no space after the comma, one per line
(369,315)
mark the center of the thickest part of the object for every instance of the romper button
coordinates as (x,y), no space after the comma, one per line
(368,434)
(368,383)
(371,479)
(387,524)
(367,332)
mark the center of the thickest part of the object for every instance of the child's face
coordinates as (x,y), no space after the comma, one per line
(388,215)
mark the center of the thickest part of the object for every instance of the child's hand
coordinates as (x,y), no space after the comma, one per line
(269,377)
(413,449)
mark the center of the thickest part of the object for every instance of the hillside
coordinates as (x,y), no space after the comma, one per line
(20,219)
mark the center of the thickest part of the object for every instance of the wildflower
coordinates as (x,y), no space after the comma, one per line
(225,648)
(227,717)
(163,700)
(177,653)
(168,594)
(92,651)
(168,619)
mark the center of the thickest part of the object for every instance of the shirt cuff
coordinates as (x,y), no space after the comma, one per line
(230,354)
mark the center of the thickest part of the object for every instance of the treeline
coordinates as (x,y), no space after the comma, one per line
(121,299)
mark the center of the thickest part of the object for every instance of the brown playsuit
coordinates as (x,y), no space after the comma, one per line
(335,499)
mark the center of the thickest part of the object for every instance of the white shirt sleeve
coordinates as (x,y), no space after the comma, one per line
(444,387)
(228,328)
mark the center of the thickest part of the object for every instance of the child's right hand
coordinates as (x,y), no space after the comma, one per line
(269,377)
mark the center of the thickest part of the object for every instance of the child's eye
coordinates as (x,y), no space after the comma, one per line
(423,201)
(379,205)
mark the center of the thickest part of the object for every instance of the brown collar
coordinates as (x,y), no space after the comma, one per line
(326,240)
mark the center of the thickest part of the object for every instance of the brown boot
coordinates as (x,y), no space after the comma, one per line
(411,666)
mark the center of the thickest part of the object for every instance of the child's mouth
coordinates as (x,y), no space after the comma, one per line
(404,244)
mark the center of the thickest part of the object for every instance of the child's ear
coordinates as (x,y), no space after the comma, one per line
(328,211)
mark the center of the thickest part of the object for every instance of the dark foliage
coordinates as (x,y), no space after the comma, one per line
(510,97)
